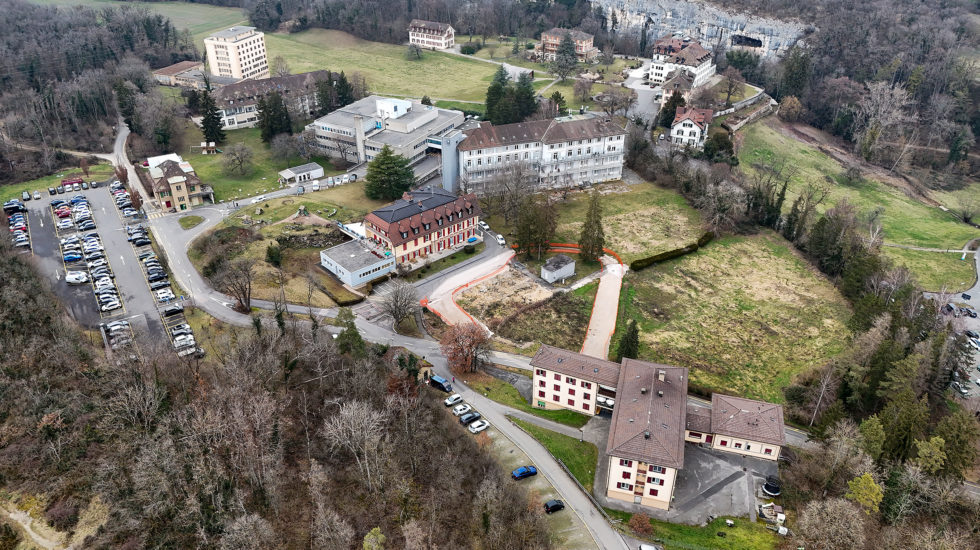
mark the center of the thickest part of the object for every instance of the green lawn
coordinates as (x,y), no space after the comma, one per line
(904,220)
(506,394)
(188,222)
(438,75)
(580,457)
(448,261)
(13,191)
(350,205)
(745,535)
(460,106)
(263,175)
(935,270)
(744,314)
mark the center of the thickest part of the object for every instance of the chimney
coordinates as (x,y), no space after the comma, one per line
(660,393)
(646,434)
(643,391)
(661,375)
(406,196)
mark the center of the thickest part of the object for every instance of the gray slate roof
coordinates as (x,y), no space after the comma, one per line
(429,197)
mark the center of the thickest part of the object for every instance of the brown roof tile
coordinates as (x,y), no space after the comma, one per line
(251,90)
(177,68)
(701,117)
(560,33)
(423,26)
(648,421)
(577,365)
(698,419)
(747,419)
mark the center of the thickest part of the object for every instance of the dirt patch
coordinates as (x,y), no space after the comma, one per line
(311,219)
(647,231)
(502,295)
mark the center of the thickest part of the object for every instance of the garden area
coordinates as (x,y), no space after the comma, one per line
(745,314)
(744,535)
(506,394)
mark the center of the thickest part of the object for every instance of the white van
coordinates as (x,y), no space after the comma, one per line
(314,185)
(330,182)
(345,178)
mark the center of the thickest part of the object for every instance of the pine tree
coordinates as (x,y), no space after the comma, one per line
(524,96)
(566,60)
(211,123)
(501,77)
(345,92)
(559,101)
(349,340)
(791,225)
(274,118)
(495,93)
(388,176)
(593,238)
(326,95)
(629,345)
(670,109)
(796,73)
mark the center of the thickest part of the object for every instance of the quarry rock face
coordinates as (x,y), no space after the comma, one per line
(706,23)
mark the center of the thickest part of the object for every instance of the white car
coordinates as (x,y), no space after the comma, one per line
(111,306)
(484,225)
(456,398)
(478,426)
(258,199)
(501,241)
(76,277)
(345,178)
(460,410)
(66,224)
(165,294)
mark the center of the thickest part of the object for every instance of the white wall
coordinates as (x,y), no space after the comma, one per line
(581,393)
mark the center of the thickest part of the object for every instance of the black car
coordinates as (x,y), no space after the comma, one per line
(971,334)
(156,277)
(965,296)
(469,418)
(175,309)
(553,506)
(52,191)
(772,486)
(95,184)
(141,242)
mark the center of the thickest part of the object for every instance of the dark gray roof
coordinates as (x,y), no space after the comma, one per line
(557,262)
(576,34)
(414,202)
(421,25)
(304,168)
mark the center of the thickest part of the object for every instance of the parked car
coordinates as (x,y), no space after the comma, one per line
(971,334)
(484,225)
(460,410)
(478,426)
(524,471)
(37,195)
(553,506)
(157,285)
(500,240)
(25,196)
(76,277)
(60,189)
(258,199)
(85,186)
(457,398)
(52,191)
(440,383)
(175,309)
(111,306)
(772,486)
(469,418)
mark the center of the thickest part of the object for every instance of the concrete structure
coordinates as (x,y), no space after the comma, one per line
(423,222)
(238,104)
(190,74)
(690,126)
(646,439)
(431,34)
(558,268)
(564,152)
(297,174)
(358,131)
(357,262)
(547,49)
(567,380)
(238,52)
(672,53)
(166,75)
(175,183)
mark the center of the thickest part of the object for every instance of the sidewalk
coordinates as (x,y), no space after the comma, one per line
(605,309)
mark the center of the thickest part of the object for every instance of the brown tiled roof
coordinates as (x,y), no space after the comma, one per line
(667,45)
(747,419)
(701,117)
(172,169)
(560,33)
(679,80)
(423,206)
(648,426)
(251,90)
(698,419)
(682,52)
(693,55)
(574,364)
(421,25)
(545,131)
(177,68)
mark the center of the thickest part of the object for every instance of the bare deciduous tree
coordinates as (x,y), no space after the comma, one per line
(238,159)
(734,83)
(248,532)
(882,110)
(357,429)
(831,524)
(280,67)
(401,301)
(582,89)
(235,278)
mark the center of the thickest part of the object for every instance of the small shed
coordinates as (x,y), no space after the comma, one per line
(299,174)
(558,268)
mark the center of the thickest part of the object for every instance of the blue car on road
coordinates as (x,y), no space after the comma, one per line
(524,471)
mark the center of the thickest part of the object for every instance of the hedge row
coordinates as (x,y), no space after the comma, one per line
(644,263)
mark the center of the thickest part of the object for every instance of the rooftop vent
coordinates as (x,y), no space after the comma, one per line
(631,420)
(560,359)
(661,375)
(596,369)
(660,393)
(646,435)
(643,391)
(664,426)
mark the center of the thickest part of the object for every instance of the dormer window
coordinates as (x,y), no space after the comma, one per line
(450,217)
(404,234)
(415,230)
(439,221)
(426,226)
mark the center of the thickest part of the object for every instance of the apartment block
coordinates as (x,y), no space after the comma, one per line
(238,104)
(431,34)
(567,380)
(672,53)
(237,52)
(547,48)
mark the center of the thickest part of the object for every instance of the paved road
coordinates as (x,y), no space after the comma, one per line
(605,309)
(440,298)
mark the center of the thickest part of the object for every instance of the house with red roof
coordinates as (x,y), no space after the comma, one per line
(690,126)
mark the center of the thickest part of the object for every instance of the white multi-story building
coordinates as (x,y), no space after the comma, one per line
(238,52)
(564,152)
(431,34)
(671,53)
(690,127)
(567,380)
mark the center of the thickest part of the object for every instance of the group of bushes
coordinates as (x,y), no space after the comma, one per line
(642,263)
(526,324)
(218,247)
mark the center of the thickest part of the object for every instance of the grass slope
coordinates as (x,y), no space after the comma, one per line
(506,394)
(745,314)
(745,535)
(97,172)
(580,457)
(935,270)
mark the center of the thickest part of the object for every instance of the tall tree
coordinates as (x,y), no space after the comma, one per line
(558,100)
(670,109)
(593,238)
(349,340)
(960,432)
(211,124)
(326,95)
(734,83)
(274,117)
(345,91)
(566,60)
(866,492)
(466,347)
(830,524)
(797,69)
(537,221)
(388,176)
(524,96)
(629,345)
(495,94)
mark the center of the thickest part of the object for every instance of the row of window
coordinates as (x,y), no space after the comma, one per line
(748,446)
(571,402)
(426,226)
(568,379)
(629,487)
(570,391)
(655,469)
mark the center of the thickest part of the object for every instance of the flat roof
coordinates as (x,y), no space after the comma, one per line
(355,255)
(178,67)
(557,262)
(231,32)
(304,168)
(399,139)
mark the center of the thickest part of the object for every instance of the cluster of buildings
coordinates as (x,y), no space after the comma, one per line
(672,56)
(652,419)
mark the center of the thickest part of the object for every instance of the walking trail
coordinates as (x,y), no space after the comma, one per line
(605,309)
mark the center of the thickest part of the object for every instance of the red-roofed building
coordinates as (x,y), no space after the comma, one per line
(547,49)
(424,222)
(690,126)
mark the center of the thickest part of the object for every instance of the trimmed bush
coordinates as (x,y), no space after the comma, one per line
(644,263)
(469,48)
(469,249)
(706,238)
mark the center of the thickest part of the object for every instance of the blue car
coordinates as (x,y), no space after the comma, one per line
(72,257)
(524,471)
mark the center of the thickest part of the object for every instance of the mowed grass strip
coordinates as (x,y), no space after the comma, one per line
(506,394)
(387,70)
(936,270)
(188,222)
(904,220)
(744,314)
(580,457)
(96,172)
(745,535)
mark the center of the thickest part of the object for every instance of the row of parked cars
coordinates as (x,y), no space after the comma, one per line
(74,213)
(122,199)
(118,333)
(89,246)
(468,417)
(17,223)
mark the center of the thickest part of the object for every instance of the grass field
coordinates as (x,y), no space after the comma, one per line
(188,222)
(904,220)
(935,270)
(580,457)
(263,175)
(448,261)
(639,220)
(437,74)
(745,314)
(506,394)
(95,172)
(745,535)
(460,106)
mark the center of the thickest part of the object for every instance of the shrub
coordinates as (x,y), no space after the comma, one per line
(273,255)
(9,539)
(644,263)
(640,524)
(62,515)
(469,48)
(469,249)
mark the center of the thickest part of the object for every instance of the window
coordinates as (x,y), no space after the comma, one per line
(571,402)
(557,377)
(694,435)
(627,475)
(768,451)
(571,391)
(624,486)
(723,443)
(654,492)
(587,396)
(541,394)
(738,445)
(658,469)
(569,380)
(587,385)
(585,406)
(556,398)
(624,462)
(540,383)
(748,447)
(557,387)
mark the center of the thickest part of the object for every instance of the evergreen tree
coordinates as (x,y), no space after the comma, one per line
(326,95)
(524,96)
(345,92)
(426,100)
(211,123)
(274,118)
(629,345)
(670,109)
(872,437)
(506,111)
(960,432)
(349,340)
(495,93)
(537,221)
(593,238)
(559,102)
(388,176)
(903,420)
(791,225)
(566,60)
(796,73)
(273,255)
(501,77)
